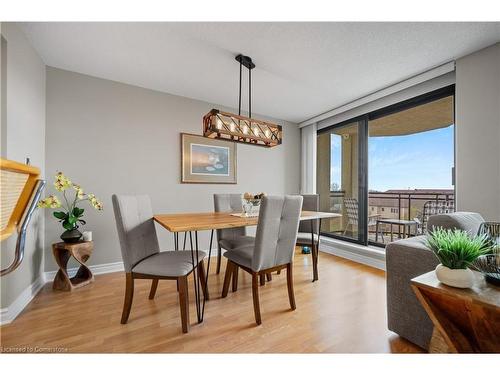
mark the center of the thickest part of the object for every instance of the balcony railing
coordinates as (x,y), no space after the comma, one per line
(405,199)
(395,205)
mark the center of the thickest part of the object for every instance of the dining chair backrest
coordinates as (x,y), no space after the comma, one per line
(276,231)
(136,228)
(310,203)
(229,203)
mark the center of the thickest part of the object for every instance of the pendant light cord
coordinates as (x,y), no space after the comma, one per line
(249,87)
(239,101)
(250,93)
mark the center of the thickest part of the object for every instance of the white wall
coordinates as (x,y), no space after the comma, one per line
(25,134)
(478,132)
(116,138)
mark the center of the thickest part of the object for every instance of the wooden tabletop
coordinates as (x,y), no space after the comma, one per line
(481,291)
(220,220)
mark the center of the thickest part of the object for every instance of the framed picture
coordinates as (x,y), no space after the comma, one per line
(207,161)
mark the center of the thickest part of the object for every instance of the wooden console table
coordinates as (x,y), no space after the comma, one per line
(465,320)
(63,251)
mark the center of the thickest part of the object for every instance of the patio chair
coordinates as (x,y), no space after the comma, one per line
(492,229)
(351,206)
(434,208)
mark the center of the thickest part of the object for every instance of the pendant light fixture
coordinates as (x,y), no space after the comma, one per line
(238,128)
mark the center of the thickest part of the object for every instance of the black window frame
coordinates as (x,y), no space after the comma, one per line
(363,139)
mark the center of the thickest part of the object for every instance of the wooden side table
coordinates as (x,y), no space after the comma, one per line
(81,251)
(465,320)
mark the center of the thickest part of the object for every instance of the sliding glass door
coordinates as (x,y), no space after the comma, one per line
(406,150)
(341,186)
(411,159)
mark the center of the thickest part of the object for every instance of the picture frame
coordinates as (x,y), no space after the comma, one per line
(207,161)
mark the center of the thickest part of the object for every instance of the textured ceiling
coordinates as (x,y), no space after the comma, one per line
(303,69)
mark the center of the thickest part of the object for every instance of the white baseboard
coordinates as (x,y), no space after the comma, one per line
(100,269)
(8,314)
(368,255)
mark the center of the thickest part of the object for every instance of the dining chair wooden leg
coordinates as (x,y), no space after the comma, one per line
(219,258)
(154,285)
(227,278)
(129,296)
(236,270)
(203,279)
(184,302)
(255,294)
(289,282)
(269,277)
(262,279)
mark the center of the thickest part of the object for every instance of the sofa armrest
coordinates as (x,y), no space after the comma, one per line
(406,259)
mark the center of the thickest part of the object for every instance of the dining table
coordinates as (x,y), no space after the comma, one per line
(191,223)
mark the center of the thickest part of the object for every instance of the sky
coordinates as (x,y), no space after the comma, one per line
(416,161)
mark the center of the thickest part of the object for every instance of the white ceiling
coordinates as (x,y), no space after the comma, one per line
(303,69)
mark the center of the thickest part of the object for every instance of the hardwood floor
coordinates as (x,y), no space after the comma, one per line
(343,312)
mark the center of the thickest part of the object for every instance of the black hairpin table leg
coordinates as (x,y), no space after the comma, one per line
(205,295)
(315,249)
(200,296)
(176,241)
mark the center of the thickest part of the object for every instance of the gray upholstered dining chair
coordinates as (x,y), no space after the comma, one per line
(273,249)
(142,258)
(311,203)
(231,238)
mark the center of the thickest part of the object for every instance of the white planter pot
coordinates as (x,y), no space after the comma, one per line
(456,278)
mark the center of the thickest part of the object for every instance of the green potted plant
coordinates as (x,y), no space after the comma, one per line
(456,251)
(71,215)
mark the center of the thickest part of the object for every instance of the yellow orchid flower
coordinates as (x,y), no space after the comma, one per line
(50,202)
(79,191)
(54,202)
(42,203)
(62,182)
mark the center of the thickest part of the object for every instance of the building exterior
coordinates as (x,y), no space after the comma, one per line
(404,204)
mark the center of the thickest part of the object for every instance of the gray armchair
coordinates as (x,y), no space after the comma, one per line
(273,249)
(409,258)
(142,258)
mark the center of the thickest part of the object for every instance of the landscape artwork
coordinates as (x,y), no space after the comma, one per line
(207,161)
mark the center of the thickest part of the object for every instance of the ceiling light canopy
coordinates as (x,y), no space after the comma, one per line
(237,128)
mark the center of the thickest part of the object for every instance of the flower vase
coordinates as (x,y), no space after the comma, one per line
(247,209)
